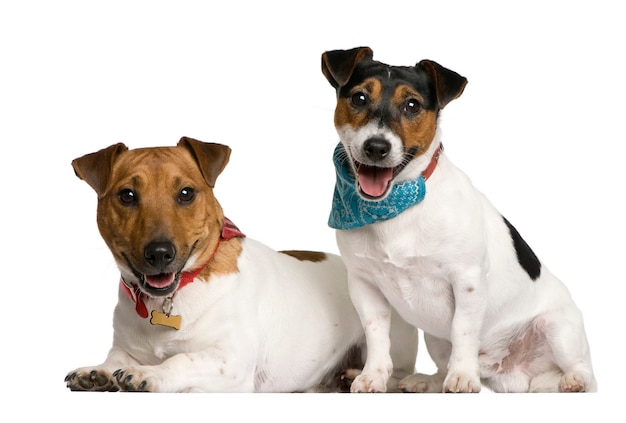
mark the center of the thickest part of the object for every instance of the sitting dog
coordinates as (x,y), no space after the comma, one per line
(202,308)
(417,236)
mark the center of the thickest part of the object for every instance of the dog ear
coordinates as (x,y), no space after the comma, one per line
(449,85)
(338,65)
(211,158)
(95,168)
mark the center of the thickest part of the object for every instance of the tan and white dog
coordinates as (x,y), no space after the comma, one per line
(201,307)
(417,236)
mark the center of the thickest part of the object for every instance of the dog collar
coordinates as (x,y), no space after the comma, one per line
(351,211)
(229,231)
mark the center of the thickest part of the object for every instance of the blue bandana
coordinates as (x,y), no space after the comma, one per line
(351,211)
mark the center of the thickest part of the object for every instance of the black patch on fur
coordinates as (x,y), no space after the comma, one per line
(525,255)
(390,77)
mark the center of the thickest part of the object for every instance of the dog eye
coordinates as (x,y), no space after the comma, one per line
(359,99)
(128,197)
(412,106)
(186,195)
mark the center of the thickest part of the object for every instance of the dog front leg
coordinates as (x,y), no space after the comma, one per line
(375,314)
(210,370)
(100,378)
(470,303)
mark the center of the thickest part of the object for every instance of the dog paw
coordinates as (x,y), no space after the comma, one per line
(421,383)
(365,383)
(571,382)
(344,380)
(131,380)
(461,383)
(91,380)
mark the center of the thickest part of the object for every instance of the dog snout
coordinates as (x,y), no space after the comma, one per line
(160,254)
(376,148)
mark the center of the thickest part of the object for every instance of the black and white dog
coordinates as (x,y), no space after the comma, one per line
(446,260)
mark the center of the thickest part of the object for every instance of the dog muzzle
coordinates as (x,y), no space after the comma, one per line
(351,211)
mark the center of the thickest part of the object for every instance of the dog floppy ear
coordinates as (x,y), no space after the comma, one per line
(449,85)
(95,168)
(211,158)
(338,65)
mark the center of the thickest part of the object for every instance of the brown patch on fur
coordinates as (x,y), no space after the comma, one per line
(312,256)
(416,131)
(225,259)
(347,114)
(156,176)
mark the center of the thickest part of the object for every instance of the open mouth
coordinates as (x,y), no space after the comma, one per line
(375,182)
(156,285)
(160,281)
(160,284)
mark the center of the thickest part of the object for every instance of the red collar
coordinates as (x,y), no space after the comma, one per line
(229,231)
(433,163)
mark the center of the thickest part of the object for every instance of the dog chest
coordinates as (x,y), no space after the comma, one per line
(421,294)
(417,287)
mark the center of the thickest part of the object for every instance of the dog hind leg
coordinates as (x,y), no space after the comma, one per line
(404,341)
(566,336)
(439,350)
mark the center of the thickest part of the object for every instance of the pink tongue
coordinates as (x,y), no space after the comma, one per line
(161,280)
(374,180)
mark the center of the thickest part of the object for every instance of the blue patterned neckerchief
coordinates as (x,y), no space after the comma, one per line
(350,210)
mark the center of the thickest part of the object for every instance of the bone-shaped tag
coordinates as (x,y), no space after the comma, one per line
(168,320)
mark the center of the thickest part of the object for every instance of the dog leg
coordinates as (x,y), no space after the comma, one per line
(404,341)
(565,333)
(99,378)
(439,350)
(375,314)
(206,371)
(470,303)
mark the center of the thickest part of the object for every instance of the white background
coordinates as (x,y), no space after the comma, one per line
(539,129)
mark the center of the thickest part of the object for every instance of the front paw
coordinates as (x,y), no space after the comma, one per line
(131,380)
(90,379)
(461,383)
(367,383)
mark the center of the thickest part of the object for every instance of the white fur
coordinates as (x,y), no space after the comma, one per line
(449,267)
(278,325)
(358,137)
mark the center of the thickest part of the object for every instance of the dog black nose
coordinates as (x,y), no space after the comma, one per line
(159,254)
(376,148)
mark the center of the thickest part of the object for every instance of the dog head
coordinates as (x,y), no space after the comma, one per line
(386,116)
(156,208)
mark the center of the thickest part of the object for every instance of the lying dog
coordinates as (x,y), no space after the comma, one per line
(416,235)
(201,307)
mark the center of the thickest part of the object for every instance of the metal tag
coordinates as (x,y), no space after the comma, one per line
(163,319)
